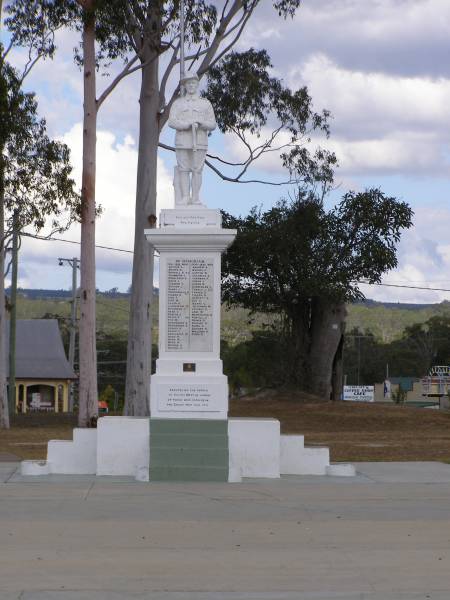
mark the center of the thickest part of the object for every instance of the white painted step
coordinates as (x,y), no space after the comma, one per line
(295,459)
(34,467)
(341,470)
(77,457)
(254,446)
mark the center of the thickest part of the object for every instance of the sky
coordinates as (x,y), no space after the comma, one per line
(381,67)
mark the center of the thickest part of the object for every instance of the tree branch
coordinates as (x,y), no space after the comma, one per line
(233,179)
(208,53)
(162,88)
(127,70)
(5,53)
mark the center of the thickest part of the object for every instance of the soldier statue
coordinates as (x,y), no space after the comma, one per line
(192,117)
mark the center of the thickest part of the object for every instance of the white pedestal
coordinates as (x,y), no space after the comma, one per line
(189,381)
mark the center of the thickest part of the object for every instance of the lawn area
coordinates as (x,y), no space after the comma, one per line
(353,432)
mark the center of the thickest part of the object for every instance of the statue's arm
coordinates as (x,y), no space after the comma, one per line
(209,121)
(174,119)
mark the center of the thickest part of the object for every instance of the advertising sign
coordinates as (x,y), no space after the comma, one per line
(359,393)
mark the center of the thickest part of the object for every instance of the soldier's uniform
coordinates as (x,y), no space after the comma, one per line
(191,142)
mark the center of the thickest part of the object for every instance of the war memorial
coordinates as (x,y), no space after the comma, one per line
(188,436)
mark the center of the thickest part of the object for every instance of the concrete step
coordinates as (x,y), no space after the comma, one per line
(188,450)
(77,457)
(189,440)
(188,426)
(183,473)
(295,459)
(189,457)
(34,467)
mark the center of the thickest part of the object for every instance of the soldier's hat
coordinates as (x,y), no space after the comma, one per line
(188,76)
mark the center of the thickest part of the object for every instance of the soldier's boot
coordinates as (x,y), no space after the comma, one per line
(184,186)
(196,185)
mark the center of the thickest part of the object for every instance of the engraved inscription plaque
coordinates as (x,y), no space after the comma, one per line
(190,288)
(196,397)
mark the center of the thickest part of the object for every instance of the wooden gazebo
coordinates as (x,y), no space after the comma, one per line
(43,373)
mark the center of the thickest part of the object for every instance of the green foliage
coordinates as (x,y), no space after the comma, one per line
(399,395)
(246,98)
(302,263)
(32,23)
(255,355)
(420,346)
(108,395)
(257,362)
(295,251)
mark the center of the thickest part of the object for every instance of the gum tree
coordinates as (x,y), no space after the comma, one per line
(150,31)
(33,25)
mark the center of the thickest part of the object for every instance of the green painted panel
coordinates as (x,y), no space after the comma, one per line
(187,440)
(175,473)
(188,450)
(190,426)
(191,457)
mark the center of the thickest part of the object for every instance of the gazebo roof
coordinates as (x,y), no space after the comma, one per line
(39,350)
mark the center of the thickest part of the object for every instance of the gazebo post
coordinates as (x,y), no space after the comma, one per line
(55,395)
(65,387)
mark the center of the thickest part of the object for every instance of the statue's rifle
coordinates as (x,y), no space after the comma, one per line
(194,137)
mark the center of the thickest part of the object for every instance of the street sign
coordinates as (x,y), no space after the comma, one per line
(359,393)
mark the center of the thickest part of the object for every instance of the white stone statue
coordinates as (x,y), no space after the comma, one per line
(192,117)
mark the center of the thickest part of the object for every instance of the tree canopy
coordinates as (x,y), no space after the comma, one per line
(303,263)
(297,250)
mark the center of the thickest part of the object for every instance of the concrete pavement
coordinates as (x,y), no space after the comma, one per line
(383,535)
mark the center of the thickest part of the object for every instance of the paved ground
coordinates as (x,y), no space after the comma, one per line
(383,535)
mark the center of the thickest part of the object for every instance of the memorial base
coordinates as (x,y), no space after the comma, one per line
(188,450)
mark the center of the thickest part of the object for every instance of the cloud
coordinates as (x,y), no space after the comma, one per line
(369,103)
(115,192)
(424,261)
(401,37)
(381,124)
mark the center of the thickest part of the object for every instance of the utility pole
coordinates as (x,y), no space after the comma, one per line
(13,316)
(74,263)
(358,337)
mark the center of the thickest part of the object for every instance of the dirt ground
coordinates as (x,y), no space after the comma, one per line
(353,432)
(29,434)
(358,432)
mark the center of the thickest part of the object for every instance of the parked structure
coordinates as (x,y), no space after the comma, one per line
(43,373)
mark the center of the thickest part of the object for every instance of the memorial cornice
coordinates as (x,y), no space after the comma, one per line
(194,240)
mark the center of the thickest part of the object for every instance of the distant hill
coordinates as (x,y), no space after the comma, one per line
(403,306)
(55,294)
(385,320)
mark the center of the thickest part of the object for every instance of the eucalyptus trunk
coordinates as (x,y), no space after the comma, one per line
(137,395)
(327,328)
(88,403)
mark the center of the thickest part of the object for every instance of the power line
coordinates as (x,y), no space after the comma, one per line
(53,239)
(409,287)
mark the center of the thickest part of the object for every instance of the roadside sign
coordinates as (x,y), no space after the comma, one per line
(359,393)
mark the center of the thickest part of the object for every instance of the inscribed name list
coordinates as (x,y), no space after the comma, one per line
(190,289)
